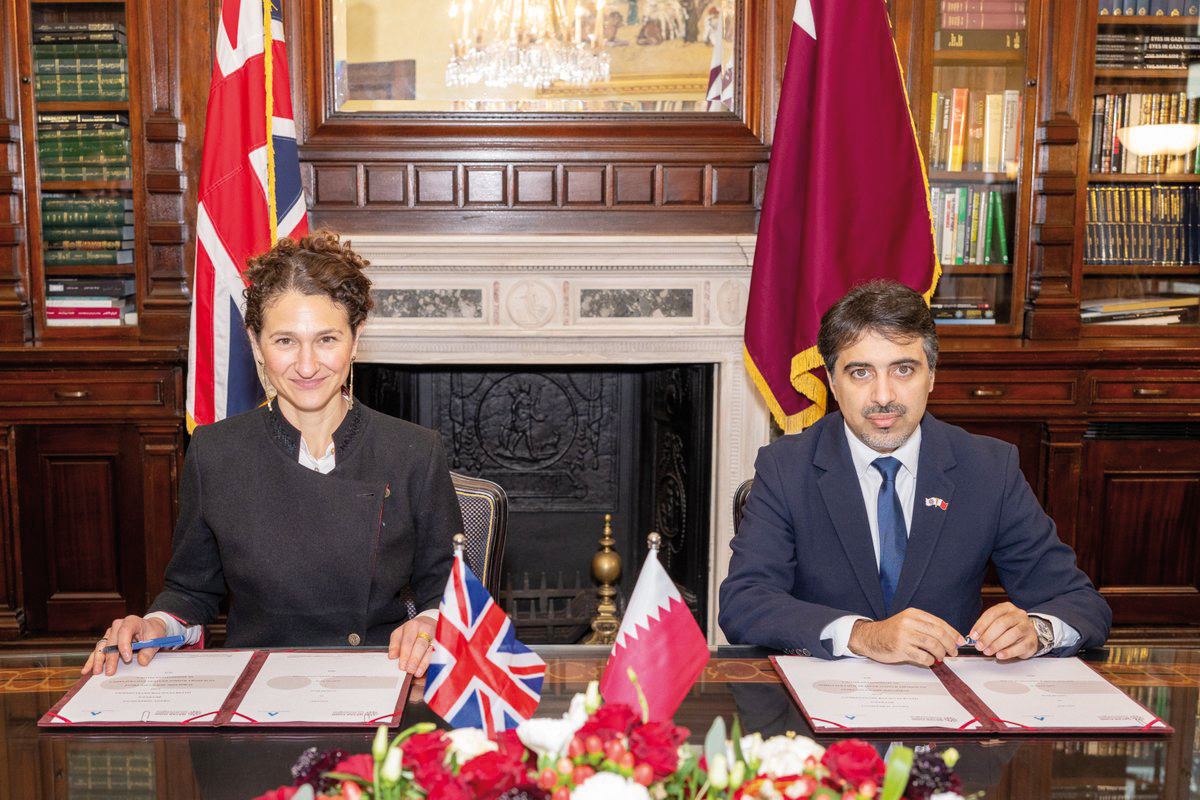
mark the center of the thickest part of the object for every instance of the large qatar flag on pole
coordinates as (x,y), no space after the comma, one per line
(846,199)
(250,195)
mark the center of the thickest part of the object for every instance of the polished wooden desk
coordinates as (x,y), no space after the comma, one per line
(198,763)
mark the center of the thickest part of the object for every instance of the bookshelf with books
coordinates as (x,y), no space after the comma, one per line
(84,273)
(1141,260)
(92,349)
(973,144)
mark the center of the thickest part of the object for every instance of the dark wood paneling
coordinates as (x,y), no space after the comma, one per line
(633,185)
(15,313)
(81,533)
(335,185)
(630,150)
(732,185)
(485,185)
(584,185)
(436,185)
(1140,524)
(10,570)
(386,184)
(535,185)
(683,186)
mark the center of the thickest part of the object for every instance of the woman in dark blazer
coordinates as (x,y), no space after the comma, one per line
(323,521)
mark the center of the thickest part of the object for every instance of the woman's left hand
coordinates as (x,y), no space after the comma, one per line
(411,644)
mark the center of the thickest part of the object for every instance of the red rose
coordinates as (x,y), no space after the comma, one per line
(423,749)
(444,786)
(494,772)
(609,721)
(854,761)
(282,793)
(657,743)
(361,765)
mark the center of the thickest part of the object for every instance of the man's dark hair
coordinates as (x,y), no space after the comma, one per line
(887,308)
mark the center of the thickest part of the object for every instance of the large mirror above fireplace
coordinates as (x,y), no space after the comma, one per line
(575,56)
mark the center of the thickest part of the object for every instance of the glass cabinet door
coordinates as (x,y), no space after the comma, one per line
(973,123)
(1140,272)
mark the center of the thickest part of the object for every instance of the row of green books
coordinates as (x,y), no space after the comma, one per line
(61,73)
(84,146)
(80,228)
(970,224)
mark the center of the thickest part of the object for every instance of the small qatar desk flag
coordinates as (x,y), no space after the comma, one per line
(480,676)
(659,640)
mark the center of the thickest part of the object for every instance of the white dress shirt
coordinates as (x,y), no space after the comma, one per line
(323,465)
(869,481)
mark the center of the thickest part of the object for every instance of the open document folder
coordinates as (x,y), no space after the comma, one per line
(962,695)
(241,687)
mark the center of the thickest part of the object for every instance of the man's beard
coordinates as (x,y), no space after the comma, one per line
(885,441)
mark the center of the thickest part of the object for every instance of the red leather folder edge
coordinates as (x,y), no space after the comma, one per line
(227,714)
(987,722)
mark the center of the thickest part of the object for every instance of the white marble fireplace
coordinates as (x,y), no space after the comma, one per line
(564,300)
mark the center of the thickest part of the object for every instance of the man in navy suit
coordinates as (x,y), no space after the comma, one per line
(869,533)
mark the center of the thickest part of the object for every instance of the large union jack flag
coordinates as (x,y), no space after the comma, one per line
(250,194)
(480,676)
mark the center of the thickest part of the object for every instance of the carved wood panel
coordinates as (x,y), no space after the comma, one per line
(1139,526)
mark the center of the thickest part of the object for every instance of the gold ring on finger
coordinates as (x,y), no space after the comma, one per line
(423,635)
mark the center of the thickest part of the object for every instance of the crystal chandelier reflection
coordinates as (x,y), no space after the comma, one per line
(530,43)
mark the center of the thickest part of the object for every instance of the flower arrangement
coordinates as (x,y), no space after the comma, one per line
(610,752)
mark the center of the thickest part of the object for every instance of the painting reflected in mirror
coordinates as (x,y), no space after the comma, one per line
(552,56)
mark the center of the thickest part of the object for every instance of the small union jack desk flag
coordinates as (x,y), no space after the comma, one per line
(480,676)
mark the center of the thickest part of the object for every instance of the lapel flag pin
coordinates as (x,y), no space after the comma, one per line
(937,501)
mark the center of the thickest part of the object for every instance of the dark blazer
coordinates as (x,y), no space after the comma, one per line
(803,554)
(309,559)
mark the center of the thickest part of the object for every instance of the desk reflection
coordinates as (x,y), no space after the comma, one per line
(198,763)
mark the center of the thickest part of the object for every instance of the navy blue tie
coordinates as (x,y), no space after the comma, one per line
(893,534)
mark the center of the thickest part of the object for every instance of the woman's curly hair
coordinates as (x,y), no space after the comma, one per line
(318,264)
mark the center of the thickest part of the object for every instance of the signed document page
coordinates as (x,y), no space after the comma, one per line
(1050,693)
(323,688)
(174,688)
(857,693)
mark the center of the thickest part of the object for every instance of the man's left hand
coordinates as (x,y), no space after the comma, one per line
(411,642)
(1006,632)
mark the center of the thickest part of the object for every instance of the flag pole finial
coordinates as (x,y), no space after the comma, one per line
(654,541)
(606,569)
(459,542)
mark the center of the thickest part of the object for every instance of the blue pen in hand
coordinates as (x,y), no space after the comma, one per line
(165,641)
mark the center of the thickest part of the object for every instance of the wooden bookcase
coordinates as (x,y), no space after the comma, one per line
(91,430)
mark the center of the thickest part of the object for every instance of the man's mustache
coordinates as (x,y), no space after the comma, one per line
(890,408)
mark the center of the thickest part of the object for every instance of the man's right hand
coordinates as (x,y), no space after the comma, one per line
(912,636)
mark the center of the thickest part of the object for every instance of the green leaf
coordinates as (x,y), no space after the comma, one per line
(714,741)
(895,777)
(736,737)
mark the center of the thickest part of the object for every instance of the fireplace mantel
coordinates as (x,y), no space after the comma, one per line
(555,300)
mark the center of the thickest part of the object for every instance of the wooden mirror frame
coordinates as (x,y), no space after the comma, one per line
(518,172)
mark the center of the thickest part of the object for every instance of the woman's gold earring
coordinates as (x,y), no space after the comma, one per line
(268,389)
(350,390)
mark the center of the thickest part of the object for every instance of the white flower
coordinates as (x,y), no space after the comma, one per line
(946,796)
(609,786)
(547,737)
(785,755)
(550,737)
(750,745)
(466,743)
(393,764)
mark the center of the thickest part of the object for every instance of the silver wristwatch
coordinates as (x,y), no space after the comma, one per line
(1045,635)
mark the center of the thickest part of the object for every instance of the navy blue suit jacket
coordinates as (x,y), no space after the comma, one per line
(803,555)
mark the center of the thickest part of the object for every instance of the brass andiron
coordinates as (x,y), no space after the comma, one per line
(606,569)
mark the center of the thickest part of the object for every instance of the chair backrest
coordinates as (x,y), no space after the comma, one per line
(739,502)
(485,517)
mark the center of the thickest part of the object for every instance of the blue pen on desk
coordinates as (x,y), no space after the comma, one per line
(165,641)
